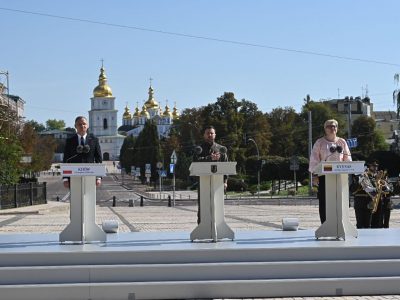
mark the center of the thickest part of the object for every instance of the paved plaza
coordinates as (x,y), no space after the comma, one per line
(241,214)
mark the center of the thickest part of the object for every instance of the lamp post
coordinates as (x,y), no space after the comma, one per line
(258,167)
(174,160)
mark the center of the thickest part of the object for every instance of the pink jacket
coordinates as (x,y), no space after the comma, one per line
(321,152)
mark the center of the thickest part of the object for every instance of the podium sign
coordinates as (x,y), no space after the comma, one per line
(212,168)
(337,224)
(212,220)
(82,227)
(83,170)
(348,167)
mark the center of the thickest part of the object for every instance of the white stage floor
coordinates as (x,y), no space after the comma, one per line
(155,241)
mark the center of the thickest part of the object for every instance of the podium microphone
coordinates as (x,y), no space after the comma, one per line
(79,150)
(198,150)
(86,149)
(336,149)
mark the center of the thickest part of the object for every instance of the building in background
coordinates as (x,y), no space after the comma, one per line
(15,103)
(387,123)
(358,107)
(103,119)
(133,124)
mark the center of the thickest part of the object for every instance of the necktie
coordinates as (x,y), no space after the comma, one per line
(82,141)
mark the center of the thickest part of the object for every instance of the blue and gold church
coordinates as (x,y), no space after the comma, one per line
(103,118)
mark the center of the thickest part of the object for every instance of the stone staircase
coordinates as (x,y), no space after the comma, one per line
(169,266)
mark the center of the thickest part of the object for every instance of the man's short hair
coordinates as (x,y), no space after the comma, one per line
(78,118)
(208,127)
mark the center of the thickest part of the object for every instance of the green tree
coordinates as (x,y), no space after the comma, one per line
(40,148)
(43,153)
(10,148)
(284,127)
(10,156)
(38,127)
(369,138)
(52,124)
(127,153)
(224,115)
(188,128)
(255,125)
(148,148)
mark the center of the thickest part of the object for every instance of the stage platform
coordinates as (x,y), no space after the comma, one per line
(167,265)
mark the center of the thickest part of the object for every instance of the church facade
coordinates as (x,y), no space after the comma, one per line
(103,118)
(151,110)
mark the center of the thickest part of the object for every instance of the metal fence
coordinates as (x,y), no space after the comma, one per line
(24,194)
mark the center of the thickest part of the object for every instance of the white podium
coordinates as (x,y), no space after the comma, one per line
(82,227)
(337,224)
(212,219)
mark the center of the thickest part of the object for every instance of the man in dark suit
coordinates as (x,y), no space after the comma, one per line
(82,147)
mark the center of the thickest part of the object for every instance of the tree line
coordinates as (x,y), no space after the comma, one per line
(279,135)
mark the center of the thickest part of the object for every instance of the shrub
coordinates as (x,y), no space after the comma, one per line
(236,185)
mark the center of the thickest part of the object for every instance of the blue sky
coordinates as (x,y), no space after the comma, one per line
(54,63)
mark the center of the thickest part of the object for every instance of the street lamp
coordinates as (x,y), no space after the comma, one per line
(258,167)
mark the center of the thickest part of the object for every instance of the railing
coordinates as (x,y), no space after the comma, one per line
(25,194)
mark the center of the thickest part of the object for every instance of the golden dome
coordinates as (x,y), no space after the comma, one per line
(102,90)
(151,102)
(175,113)
(137,112)
(167,112)
(144,112)
(127,115)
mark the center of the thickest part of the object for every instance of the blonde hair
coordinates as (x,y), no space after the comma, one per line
(330,122)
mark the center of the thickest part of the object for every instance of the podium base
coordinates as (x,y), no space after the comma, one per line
(93,234)
(342,230)
(214,233)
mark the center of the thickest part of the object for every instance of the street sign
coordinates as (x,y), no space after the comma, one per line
(163,173)
(174,158)
(159,165)
(171,168)
(352,143)
(148,169)
(294,163)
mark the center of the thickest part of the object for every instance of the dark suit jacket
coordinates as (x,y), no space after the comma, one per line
(93,156)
